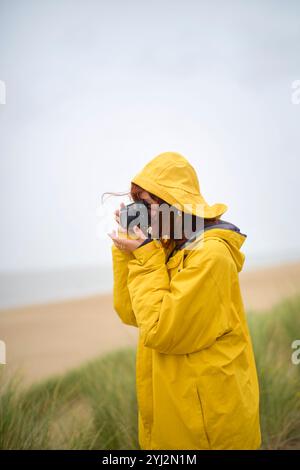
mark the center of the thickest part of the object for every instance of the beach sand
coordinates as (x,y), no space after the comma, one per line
(42,340)
(263,288)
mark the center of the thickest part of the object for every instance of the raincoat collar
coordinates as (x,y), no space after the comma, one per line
(219,224)
(222,230)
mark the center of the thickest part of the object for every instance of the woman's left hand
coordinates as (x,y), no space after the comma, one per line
(128,244)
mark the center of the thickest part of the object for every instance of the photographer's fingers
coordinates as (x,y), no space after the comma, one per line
(120,228)
(139,232)
(117,213)
(118,242)
(117,217)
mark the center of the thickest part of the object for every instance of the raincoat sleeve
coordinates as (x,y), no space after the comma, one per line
(121,298)
(183,315)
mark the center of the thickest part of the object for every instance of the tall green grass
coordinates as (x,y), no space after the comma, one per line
(272,335)
(91,407)
(94,406)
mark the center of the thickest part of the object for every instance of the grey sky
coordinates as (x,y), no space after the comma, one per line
(95,89)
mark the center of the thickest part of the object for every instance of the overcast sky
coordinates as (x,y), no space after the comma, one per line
(95,89)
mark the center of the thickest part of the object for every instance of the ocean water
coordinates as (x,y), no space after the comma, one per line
(26,288)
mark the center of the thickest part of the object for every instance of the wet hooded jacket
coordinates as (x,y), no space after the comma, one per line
(196,378)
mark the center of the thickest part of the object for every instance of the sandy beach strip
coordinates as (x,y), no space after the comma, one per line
(42,340)
(263,288)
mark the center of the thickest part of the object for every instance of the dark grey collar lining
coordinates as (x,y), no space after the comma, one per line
(221,224)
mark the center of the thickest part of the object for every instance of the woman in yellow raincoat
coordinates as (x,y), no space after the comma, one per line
(196,378)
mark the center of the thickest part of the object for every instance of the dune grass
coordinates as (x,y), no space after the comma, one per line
(94,406)
(91,407)
(272,335)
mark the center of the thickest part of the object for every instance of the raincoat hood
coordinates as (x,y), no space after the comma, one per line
(172,178)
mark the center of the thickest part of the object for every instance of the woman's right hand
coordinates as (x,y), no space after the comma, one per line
(117,213)
(122,239)
(121,230)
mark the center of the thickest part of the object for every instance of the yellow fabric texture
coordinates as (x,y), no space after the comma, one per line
(171,177)
(196,378)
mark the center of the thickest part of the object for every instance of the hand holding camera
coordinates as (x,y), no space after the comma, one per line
(129,236)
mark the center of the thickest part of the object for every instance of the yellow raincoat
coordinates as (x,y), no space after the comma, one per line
(196,378)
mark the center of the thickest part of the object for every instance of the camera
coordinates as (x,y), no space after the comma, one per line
(136,213)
